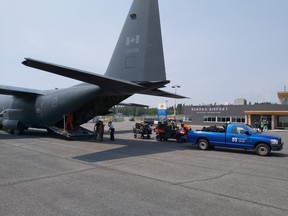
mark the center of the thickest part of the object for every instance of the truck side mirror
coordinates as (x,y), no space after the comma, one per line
(247,133)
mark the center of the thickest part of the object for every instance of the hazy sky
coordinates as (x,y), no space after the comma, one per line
(216,50)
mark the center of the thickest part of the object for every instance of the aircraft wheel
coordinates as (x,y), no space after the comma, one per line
(180,139)
(19,130)
(263,150)
(158,138)
(203,144)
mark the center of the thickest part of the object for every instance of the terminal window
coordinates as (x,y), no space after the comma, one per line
(238,119)
(224,119)
(209,119)
(282,121)
(284,100)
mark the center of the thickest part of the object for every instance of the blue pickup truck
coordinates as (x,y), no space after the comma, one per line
(239,136)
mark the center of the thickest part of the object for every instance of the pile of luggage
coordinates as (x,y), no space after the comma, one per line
(142,129)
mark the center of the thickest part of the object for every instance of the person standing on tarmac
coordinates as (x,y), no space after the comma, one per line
(185,128)
(101,131)
(97,128)
(112,130)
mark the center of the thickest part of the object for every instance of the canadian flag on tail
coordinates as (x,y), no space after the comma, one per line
(133,40)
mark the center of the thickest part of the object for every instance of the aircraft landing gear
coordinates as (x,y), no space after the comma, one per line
(19,130)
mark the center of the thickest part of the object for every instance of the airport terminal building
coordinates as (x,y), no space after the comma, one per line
(276,115)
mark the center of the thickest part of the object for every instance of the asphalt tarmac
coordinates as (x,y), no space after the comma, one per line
(48,175)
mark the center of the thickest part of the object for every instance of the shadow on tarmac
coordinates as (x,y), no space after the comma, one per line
(140,147)
(41,133)
(242,151)
(31,133)
(131,148)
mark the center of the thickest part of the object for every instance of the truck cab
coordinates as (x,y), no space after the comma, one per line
(240,136)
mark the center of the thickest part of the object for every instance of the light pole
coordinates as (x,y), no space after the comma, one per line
(175,87)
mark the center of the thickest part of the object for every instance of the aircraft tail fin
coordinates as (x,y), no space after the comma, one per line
(138,55)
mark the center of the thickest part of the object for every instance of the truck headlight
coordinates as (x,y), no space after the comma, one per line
(274,141)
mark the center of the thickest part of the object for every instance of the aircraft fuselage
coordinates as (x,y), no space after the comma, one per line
(84,101)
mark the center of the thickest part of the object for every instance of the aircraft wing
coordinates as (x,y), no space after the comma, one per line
(158,92)
(119,85)
(11,90)
(88,77)
(133,104)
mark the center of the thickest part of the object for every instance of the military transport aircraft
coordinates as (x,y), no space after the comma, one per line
(136,66)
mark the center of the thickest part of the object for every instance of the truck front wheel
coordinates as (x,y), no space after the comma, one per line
(262,149)
(203,144)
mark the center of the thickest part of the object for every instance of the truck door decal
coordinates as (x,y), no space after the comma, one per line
(239,139)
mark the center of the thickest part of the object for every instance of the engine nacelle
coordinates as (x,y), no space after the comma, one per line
(10,124)
(10,118)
